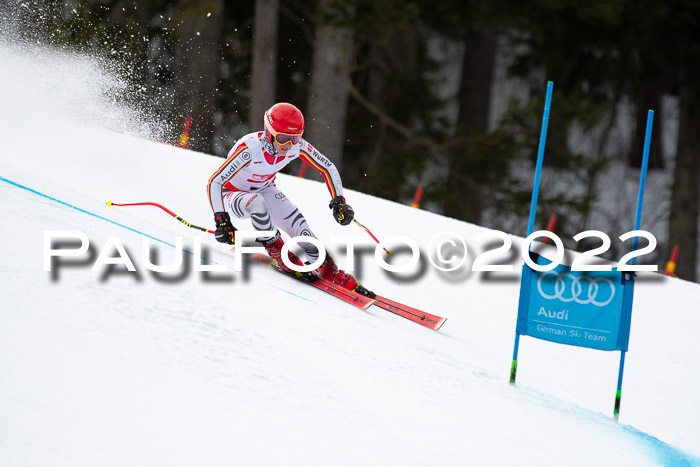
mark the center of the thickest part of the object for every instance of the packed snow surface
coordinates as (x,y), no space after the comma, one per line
(111,367)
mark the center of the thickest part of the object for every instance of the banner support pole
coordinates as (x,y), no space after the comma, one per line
(533,204)
(635,243)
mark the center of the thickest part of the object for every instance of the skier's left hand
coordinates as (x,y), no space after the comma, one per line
(225,231)
(342,213)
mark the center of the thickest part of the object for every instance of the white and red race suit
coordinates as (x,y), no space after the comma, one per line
(244,186)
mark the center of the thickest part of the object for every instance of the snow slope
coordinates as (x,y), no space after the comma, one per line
(111,367)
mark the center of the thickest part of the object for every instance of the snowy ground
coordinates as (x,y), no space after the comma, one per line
(111,367)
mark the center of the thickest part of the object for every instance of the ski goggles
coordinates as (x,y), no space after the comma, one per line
(284,138)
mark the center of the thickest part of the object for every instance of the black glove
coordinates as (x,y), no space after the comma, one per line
(342,212)
(224,228)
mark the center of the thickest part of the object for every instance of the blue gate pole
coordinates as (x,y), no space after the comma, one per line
(533,204)
(635,243)
(540,157)
(643,180)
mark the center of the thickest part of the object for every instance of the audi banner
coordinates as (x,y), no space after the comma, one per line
(585,309)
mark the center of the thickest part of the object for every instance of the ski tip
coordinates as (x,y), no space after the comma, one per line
(109,203)
(439,325)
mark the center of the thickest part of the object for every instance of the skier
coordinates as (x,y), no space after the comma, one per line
(244,186)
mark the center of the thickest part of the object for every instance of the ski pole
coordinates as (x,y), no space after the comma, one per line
(110,203)
(388,253)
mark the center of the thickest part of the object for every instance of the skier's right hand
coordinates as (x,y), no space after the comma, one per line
(224,228)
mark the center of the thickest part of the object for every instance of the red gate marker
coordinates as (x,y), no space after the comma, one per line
(417,197)
(671,265)
(185,138)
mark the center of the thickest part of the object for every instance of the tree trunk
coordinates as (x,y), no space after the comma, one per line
(397,55)
(328,94)
(465,198)
(263,78)
(197,60)
(685,193)
(475,87)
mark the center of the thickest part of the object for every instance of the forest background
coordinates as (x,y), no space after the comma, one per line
(443,95)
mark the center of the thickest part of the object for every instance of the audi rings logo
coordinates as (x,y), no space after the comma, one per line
(598,291)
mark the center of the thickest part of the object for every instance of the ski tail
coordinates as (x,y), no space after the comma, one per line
(360,301)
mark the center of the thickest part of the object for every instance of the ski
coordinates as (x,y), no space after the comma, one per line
(348,296)
(433,322)
(353,298)
(428,320)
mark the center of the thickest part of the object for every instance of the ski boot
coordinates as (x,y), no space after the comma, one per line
(273,247)
(330,272)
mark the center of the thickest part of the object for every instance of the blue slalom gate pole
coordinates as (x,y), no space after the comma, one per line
(540,157)
(533,204)
(643,180)
(635,243)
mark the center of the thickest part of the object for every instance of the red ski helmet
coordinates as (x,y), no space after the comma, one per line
(284,122)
